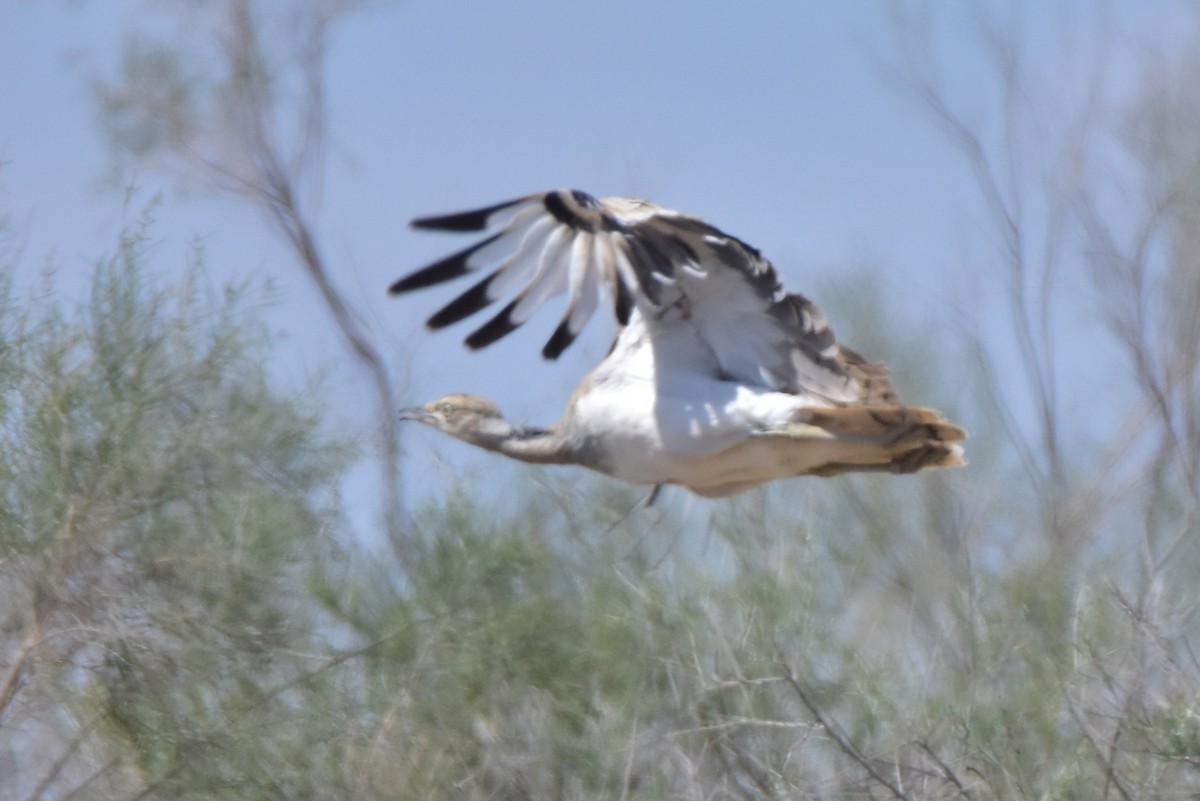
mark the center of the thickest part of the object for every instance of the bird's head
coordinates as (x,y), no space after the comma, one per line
(459,415)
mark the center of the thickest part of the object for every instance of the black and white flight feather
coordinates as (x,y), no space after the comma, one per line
(712,355)
(642,257)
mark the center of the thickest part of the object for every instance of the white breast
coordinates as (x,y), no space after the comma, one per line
(661,415)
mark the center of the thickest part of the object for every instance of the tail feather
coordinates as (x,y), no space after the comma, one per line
(872,377)
(927,457)
(883,425)
(893,439)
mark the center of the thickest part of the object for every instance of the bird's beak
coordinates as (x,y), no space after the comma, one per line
(417,413)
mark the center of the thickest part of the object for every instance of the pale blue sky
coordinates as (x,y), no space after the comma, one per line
(772,120)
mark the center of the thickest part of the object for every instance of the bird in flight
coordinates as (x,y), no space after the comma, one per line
(718,379)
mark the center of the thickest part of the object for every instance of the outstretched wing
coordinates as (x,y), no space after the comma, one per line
(671,268)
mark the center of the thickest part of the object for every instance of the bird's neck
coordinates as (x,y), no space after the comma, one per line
(540,445)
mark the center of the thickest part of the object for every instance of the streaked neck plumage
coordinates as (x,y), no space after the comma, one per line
(538,445)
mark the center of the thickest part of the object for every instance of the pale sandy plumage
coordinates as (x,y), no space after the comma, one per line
(718,379)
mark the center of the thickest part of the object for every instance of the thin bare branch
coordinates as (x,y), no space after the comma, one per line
(251,150)
(838,736)
(16,669)
(947,772)
(69,751)
(1104,759)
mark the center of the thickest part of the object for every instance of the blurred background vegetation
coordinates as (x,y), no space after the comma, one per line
(185,614)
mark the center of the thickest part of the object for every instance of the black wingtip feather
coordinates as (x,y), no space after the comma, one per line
(428,276)
(645,262)
(556,204)
(622,302)
(559,341)
(580,211)
(475,220)
(466,304)
(495,328)
(447,269)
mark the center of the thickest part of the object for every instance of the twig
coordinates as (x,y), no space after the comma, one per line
(946,770)
(836,734)
(1110,770)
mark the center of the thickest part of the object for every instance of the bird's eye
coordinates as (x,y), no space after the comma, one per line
(445,408)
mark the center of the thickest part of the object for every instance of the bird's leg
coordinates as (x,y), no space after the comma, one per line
(644,503)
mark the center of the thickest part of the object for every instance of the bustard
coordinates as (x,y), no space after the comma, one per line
(717,380)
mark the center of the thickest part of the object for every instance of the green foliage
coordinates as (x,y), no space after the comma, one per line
(159,497)
(183,616)
(504,661)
